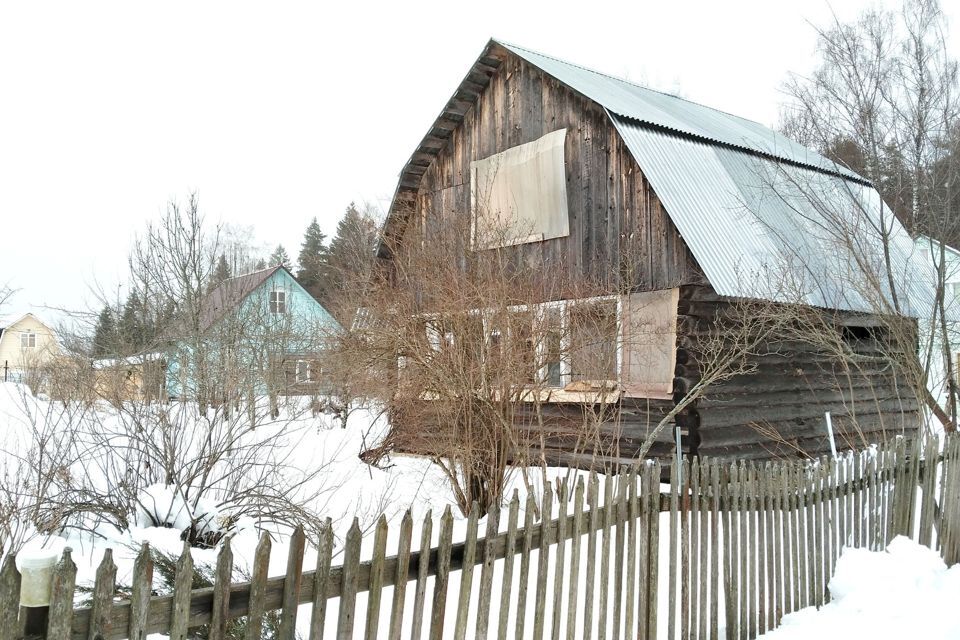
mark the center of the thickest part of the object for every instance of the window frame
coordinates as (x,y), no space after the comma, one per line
(309,371)
(28,339)
(277,301)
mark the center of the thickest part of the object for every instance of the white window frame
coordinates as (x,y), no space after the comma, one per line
(278,301)
(308,366)
(28,339)
(436,338)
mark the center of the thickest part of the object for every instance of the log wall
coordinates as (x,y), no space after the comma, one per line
(778,410)
(618,228)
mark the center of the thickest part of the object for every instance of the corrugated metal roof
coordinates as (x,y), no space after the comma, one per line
(764,229)
(677,114)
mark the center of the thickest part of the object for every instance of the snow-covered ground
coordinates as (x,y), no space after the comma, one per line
(344,488)
(905,591)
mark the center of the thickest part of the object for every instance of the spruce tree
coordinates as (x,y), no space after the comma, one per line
(131,329)
(220,273)
(279,257)
(105,334)
(350,258)
(313,260)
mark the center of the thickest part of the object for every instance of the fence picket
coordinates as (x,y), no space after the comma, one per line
(593,489)
(9,598)
(61,597)
(730,550)
(574,577)
(684,549)
(258,583)
(929,477)
(182,586)
(608,510)
(403,571)
(698,548)
(817,486)
(529,516)
(440,584)
(423,567)
(715,552)
(834,517)
(141,585)
(643,550)
(375,593)
(653,558)
(291,585)
(101,601)
(466,573)
(672,550)
(767,590)
(486,572)
(223,576)
(558,569)
(779,550)
(324,553)
(751,513)
(348,584)
(631,577)
(508,561)
(543,563)
(619,542)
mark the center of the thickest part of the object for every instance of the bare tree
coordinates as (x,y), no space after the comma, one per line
(231,447)
(883,101)
(487,362)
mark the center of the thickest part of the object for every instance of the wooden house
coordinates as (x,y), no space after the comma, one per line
(259,333)
(691,210)
(28,346)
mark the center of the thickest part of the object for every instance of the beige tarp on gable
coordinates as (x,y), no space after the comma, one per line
(520,195)
(649,351)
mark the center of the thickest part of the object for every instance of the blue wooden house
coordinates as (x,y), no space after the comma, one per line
(258,334)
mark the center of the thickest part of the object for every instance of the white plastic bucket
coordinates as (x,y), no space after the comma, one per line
(36,571)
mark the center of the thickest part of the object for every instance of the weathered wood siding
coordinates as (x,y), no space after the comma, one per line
(617,225)
(621,238)
(778,410)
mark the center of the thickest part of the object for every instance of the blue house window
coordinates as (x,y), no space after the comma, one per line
(278,302)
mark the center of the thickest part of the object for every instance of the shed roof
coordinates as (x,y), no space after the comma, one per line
(749,202)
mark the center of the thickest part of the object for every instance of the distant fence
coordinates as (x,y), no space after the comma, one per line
(744,542)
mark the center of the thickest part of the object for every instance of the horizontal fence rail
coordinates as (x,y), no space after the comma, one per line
(727,551)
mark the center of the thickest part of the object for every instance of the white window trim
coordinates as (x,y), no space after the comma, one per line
(28,336)
(309,370)
(436,339)
(276,301)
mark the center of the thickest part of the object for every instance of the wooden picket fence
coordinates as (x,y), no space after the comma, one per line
(741,545)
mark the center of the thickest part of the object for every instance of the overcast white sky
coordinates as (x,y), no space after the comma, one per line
(276,112)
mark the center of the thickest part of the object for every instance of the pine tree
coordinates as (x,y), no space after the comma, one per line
(279,257)
(351,258)
(220,273)
(261,264)
(105,334)
(313,260)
